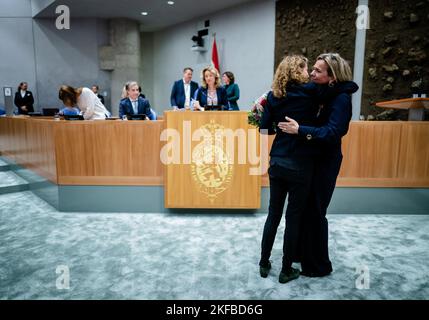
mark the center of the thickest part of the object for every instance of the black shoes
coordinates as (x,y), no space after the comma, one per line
(284,277)
(263,271)
(290,275)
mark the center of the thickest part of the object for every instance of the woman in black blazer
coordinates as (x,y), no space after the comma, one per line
(24,99)
(211,93)
(293,158)
(332,124)
(291,164)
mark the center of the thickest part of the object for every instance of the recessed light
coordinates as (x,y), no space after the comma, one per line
(144,13)
(170,2)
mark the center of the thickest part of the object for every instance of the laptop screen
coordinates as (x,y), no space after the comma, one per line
(139,116)
(50,112)
(73,117)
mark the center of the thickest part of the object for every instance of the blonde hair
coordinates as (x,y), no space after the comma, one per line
(124,93)
(214,72)
(127,87)
(289,70)
(338,68)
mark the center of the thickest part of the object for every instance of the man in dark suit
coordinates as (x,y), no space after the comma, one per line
(95,89)
(24,99)
(183,90)
(134,104)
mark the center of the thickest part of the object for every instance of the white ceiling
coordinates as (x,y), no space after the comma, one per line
(160,14)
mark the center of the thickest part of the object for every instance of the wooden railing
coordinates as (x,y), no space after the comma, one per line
(376,154)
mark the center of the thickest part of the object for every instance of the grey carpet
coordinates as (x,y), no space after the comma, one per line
(197,256)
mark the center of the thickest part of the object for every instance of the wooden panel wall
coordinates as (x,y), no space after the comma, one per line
(386,154)
(30,143)
(109,152)
(376,154)
(383,154)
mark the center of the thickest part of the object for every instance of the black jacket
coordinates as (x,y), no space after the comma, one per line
(222,100)
(28,101)
(332,124)
(301,104)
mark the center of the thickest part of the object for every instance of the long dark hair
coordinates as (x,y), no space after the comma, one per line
(21,84)
(230,76)
(68,93)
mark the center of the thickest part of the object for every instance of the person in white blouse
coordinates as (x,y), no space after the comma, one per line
(90,106)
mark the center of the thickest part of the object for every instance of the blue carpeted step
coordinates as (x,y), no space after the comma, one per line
(10,182)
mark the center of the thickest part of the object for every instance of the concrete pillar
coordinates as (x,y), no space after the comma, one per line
(122,57)
(359,63)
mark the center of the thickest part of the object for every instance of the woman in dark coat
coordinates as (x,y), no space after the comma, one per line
(331,125)
(291,164)
(293,158)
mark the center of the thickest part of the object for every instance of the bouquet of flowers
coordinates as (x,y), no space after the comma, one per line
(255,114)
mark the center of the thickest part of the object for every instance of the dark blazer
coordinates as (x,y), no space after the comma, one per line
(333,121)
(126,108)
(177,97)
(201,96)
(331,125)
(28,101)
(232,94)
(302,104)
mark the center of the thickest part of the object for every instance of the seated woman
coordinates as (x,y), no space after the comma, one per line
(133,103)
(90,106)
(211,93)
(69,111)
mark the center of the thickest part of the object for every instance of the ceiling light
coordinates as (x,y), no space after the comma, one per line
(170,2)
(144,13)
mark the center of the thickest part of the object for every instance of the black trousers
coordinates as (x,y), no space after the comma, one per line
(293,178)
(314,252)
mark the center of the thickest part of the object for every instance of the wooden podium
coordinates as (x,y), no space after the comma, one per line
(416,107)
(208,160)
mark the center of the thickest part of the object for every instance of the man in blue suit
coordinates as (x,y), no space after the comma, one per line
(134,104)
(183,90)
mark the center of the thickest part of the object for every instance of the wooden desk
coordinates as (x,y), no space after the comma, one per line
(108,152)
(85,152)
(376,153)
(383,154)
(416,107)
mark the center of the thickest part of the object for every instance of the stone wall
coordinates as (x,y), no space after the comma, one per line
(313,27)
(396,59)
(396,56)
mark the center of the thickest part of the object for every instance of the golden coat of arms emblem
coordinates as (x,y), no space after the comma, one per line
(211,167)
